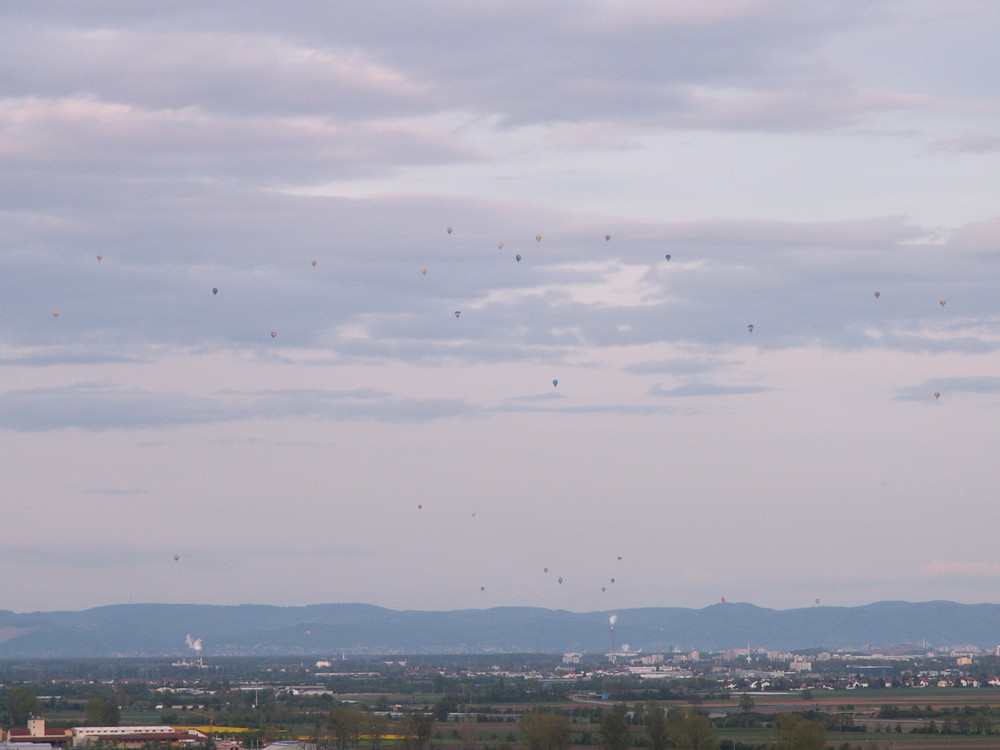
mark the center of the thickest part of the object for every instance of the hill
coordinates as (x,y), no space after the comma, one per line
(332,629)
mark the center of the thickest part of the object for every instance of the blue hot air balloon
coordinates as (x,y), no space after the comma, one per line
(750,327)
(215,291)
(555,383)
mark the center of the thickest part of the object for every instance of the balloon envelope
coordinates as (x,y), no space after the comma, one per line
(273,334)
(538,238)
(554,382)
(313,263)
(517,258)
(750,327)
(176,558)
(937,394)
(668,256)
(943,302)
(99,257)
(458,313)
(55,314)
(878,294)
(500,245)
(215,290)
(424,270)
(449,230)
(607,238)
(560,579)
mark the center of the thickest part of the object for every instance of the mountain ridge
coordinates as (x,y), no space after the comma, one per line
(358,628)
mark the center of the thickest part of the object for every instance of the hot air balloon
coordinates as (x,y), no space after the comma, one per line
(449,230)
(560,579)
(619,558)
(517,258)
(545,570)
(878,294)
(420,507)
(99,257)
(538,238)
(943,302)
(482,588)
(723,600)
(750,327)
(458,313)
(554,382)
(604,588)
(313,263)
(273,334)
(424,270)
(55,314)
(668,256)
(215,290)
(176,558)
(612,580)
(817,601)
(500,245)
(937,394)
(607,238)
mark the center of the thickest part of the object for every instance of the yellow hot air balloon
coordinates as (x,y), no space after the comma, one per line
(937,394)
(943,302)
(538,238)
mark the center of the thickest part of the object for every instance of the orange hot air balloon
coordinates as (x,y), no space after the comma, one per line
(55,314)
(313,262)
(99,257)
(500,244)
(424,270)
(943,302)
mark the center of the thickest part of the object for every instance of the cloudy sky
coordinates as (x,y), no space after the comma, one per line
(326,427)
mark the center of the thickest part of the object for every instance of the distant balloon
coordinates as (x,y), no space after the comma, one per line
(943,302)
(723,600)
(449,230)
(612,580)
(817,601)
(99,257)
(937,394)
(560,579)
(273,334)
(604,588)
(482,588)
(176,558)
(313,262)
(215,290)
(420,507)
(554,382)
(878,294)
(750,327)
(500,245)
(538,238)
(619,557)
(668,256)
(607,238)
(545,570)
(55,314)
(458,313)
(517,258)
(473,514)
(424,270)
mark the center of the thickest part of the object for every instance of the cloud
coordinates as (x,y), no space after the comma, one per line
(948,387)
(937,569)
(101,406)
(700,388)
(966,144)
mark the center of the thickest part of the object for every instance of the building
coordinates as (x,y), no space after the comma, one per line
(37,734)
(136,736)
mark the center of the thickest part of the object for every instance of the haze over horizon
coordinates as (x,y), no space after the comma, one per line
(421,420)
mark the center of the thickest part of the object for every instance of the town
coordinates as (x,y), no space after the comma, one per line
(741,698)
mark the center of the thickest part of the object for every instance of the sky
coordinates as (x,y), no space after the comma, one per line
(273,301)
